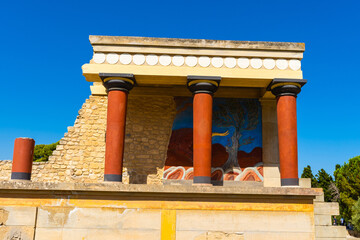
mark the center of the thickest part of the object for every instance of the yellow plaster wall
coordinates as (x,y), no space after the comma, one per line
(66,217)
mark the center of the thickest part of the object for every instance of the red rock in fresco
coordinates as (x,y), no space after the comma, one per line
(249,159)
(189,175)
(230,176)
(176,174)
(180,148)
(216,175)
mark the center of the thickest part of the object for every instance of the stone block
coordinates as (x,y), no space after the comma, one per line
(272,175)
(119,218)
(49,233)
(326,208)
(319,198)
(244,221)
(272,182)
(278,235)
(330,232)
(16,232)
(17,216)
(305,182)
(322,220)
(96,234)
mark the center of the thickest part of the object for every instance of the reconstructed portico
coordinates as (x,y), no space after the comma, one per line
(266,71)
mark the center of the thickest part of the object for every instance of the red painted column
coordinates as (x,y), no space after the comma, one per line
(118,87)
(287,134)
(202,123)
(203,89)
(115,135)
(286,91)
(22,158)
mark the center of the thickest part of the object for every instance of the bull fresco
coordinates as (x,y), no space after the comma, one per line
(236,141)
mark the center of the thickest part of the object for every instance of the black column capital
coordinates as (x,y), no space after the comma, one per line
(117,81)
(203,84)
(286,87)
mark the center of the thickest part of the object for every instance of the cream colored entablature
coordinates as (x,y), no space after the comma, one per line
(167,62)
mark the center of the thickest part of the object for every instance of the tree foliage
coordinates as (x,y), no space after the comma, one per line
(355,219)
(307,173)
(347,178)
(324,181)
(321,180)
(43,151)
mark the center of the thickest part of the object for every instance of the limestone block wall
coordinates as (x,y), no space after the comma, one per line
(79,157)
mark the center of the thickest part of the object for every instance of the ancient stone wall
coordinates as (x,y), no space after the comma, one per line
(79,157)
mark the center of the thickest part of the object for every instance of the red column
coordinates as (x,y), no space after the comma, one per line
(118,87)
(22,158)
(115,135)
(202,107)
(287,134)
(286,91)
(203,89)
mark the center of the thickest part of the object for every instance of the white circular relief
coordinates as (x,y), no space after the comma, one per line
(99,57)
(165,60)
(204,61)
(178,60)
(243,62)
(282,64)
(112,58)
(125,58)
(217,62)
(152,59)
(139,59)
(191,61)
(256,63)
(269,63)
(230,62)
(295,64)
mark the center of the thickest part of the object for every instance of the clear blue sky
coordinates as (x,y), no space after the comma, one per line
(45,43)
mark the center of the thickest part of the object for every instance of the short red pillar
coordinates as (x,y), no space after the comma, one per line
(203,88)
(22,158)
(118,87)
(286,93)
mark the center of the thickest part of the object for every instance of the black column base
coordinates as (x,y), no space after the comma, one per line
(21,175)
(112,177)
(202,180)
(289,182)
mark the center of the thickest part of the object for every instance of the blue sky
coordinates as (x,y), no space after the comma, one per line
(45,43)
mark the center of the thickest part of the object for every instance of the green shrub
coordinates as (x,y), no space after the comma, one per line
(43,151)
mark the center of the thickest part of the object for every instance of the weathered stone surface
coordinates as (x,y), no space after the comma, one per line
(102,218)
(322,220)
(245,221)
(118,188)
(326,208)
(17,232)
(17,216)
(330,231)
(203,43)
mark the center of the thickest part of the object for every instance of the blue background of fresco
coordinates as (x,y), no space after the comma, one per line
(184,119)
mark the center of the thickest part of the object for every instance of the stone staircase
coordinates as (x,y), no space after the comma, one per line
(323,212)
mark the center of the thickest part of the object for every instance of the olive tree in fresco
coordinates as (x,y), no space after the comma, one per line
(243,116)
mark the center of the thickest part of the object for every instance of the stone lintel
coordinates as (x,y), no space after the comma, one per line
(199,43)
(182,191)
